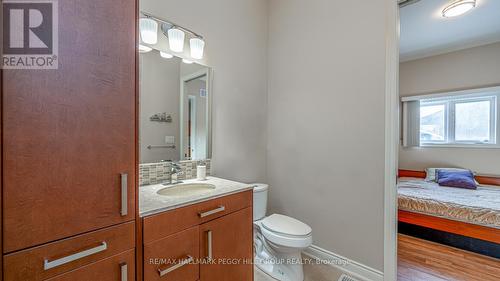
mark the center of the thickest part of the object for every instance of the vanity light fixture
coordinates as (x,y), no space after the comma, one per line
(176,39)
(186,61)
(149,30)
(144,48)
(196,45)
(458,8)
(176,35)
(166,55)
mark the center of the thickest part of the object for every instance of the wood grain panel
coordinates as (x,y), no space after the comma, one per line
(168,251)
(451,226)
(69,133)
(28,264)
(105,270)
(488,180)
(411,174)
(170,222)
(420,260)
(232,246)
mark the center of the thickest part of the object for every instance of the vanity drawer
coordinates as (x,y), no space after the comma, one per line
(55,258)
(173,258)
(169,222)
(116,268)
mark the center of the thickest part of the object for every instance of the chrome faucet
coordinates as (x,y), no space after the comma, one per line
(175,171)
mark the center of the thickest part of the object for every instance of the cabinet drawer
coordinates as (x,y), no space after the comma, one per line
(120,267)
(170,222)
(173,258)
(55,258)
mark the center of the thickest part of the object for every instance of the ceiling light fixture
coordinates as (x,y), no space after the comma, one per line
(176,39)
(458,8)
(166,55)
(149,30)
(144,49)
(196,45)
(186,61)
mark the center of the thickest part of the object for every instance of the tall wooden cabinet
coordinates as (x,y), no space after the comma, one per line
(69,148)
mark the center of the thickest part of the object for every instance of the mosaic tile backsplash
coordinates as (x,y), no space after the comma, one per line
(155,173)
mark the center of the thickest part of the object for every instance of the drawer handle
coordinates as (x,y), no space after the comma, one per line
(124,271)
(211,212)
(209,245)
(55,263)
(187,260)
(124,191)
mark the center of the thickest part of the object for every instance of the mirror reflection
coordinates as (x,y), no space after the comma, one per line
(175,107)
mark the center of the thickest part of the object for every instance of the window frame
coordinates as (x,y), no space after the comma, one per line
(450,101)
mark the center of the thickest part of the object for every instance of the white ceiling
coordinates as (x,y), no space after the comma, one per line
(425,32)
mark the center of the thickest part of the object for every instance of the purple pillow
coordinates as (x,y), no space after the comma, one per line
(453,178)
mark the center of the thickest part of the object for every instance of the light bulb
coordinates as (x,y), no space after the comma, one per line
(196,45)
(176,40)
(149,30)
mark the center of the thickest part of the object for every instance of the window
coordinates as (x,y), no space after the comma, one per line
(459,120)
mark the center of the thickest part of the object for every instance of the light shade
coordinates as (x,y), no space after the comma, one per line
(149,30)
(166,55)
(176,40)
(144,48)
(458,8)
(186,61)
(196,45)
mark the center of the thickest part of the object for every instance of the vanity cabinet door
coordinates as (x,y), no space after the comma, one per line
(173,258)
(228,243)
(69,133)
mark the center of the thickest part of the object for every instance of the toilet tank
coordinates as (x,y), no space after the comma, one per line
(259,200)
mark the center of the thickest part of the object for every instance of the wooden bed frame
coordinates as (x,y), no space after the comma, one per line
(456,227)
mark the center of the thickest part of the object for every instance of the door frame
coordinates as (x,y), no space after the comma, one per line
(192,127)
(208,86)
(391,139)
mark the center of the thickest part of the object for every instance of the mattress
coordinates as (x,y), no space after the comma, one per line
(480,206)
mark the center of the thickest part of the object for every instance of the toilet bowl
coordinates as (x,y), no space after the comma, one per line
(278,240)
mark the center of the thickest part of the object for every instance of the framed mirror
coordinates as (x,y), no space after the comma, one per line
(175,104)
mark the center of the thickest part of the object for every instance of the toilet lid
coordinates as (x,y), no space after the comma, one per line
(286,225)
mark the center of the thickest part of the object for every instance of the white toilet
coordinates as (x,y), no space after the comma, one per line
(278,240)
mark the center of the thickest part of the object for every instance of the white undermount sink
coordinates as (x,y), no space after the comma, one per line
(186,189)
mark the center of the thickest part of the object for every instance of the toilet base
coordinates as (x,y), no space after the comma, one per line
(281,266)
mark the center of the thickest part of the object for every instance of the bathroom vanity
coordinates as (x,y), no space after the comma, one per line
(203,233)
(189,229)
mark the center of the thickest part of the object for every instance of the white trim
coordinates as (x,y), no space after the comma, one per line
(392,141)
(192,141)
(344,264)
(208,87)
(466,93)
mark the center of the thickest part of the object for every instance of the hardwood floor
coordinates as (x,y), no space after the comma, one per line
(420,260)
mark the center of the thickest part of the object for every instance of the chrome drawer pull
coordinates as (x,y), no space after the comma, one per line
(181,263)
(124,271)
(124,202)
(209,245)
(211,212)
(55,263)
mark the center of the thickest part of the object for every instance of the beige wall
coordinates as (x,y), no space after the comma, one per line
(236,48)
(159,90)
(471,68)
(326,121)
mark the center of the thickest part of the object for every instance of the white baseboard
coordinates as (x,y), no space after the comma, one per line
(351,267)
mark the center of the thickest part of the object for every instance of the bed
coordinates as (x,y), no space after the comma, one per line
(471,213)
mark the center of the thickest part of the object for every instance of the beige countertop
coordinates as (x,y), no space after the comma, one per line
(152,203)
